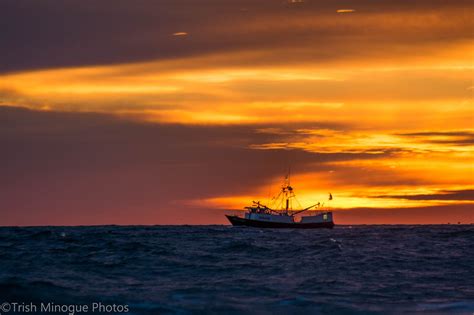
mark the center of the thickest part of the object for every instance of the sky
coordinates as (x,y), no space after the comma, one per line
(176,112)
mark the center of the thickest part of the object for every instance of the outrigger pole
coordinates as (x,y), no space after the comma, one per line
(305,209)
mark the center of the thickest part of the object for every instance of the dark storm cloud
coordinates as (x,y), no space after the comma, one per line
(439,133)
(461,137)
(79,168)
(457,195)
(49,33)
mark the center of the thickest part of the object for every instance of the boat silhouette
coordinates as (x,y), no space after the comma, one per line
(281,213)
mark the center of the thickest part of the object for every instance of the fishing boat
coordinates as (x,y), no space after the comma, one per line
(281,214)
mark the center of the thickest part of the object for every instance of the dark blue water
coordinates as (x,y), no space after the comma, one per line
(231,270)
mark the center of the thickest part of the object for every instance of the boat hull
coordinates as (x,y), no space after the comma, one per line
(238,221)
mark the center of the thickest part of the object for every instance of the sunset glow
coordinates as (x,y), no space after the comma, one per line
(375,106)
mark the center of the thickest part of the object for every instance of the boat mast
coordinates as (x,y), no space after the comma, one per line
(287,190)
(282,204)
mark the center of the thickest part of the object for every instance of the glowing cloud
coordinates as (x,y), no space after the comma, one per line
(345,11)
(180,34)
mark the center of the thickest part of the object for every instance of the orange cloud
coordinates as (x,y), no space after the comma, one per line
(180,34)
(345,11)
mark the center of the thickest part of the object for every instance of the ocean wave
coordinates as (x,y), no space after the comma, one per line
(220,269)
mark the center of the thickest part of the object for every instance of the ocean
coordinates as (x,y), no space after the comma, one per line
(419,269)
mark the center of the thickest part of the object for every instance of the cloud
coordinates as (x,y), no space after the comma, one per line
(221,106)
(456,195)
(180,34)
(78,33)
(345,11)
(460,138)
(354,140)
(91,168)
(460,133)
(88,168)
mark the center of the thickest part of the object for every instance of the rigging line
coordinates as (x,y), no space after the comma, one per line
(298,202)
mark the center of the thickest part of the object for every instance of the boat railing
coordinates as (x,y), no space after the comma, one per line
(236,212)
